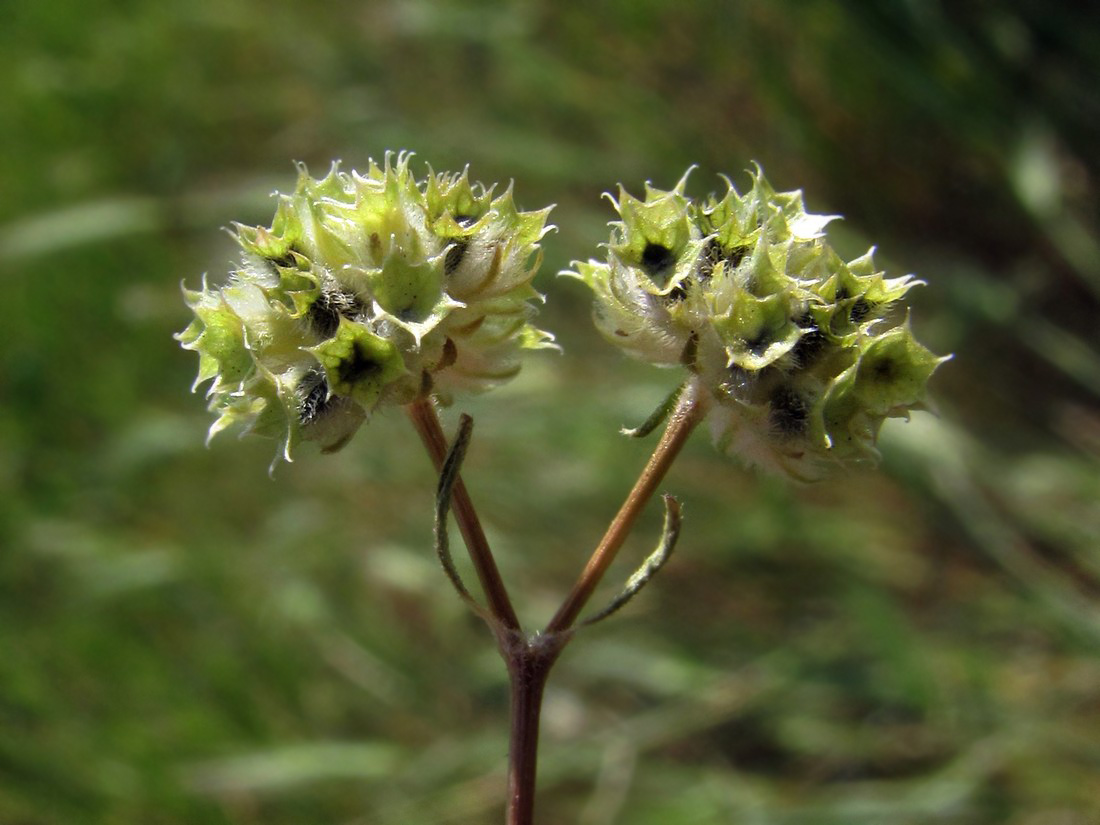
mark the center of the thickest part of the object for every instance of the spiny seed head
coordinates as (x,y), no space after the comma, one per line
(367,290)
(803,354)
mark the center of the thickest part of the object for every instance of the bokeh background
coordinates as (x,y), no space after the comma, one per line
(186,640)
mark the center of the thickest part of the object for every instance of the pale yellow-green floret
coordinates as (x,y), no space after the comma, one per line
(367,290)
(801,355)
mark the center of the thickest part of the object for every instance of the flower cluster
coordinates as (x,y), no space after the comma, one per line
(367,290)
(802,354)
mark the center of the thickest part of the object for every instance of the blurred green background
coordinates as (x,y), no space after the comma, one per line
(184,640)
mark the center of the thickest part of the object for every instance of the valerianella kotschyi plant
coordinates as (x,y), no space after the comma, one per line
(379,289)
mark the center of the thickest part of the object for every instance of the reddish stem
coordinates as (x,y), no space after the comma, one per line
(529,662)
(687,415)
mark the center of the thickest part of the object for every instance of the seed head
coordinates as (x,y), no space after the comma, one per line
(367,290)
(803,355)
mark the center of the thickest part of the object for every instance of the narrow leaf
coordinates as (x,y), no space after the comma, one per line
(447,478)
(657,417)
(670,532)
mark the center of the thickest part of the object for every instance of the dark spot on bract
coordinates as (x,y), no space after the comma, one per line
(810,344)
(677,293)
(842,294)
(359,366)
(713,252)
(759,343)
(790,412)
(657,260)
(324,313)
(708,259)
(313,396)
(860,310)
(458,246)
(883,370)
(736,255)
(455,253)
(323,318)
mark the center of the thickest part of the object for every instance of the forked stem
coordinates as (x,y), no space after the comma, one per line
(424,419)
(530,658)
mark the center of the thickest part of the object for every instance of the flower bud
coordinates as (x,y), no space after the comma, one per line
(367,290)
(802,354)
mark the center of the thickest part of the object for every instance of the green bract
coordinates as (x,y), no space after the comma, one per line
(367,290)
(802,355)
